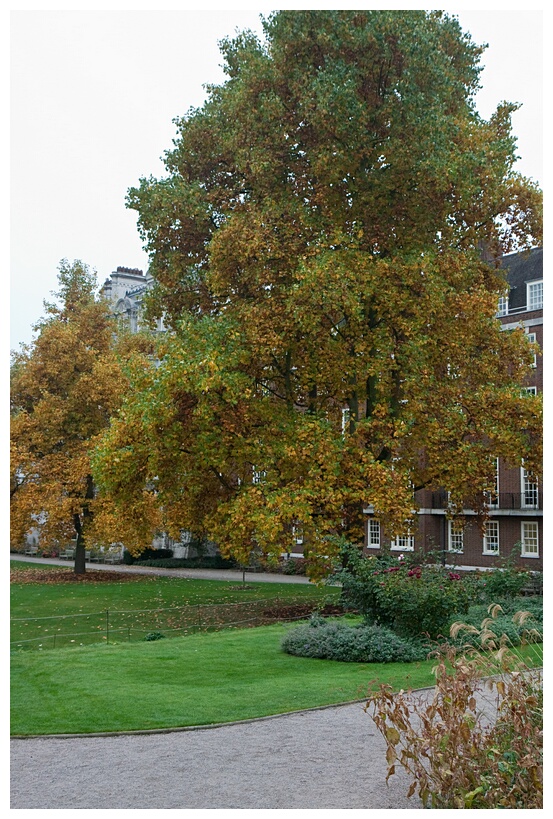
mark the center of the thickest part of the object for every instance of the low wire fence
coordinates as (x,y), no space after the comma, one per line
(110,626)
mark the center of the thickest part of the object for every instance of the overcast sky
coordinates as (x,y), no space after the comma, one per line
(93,96)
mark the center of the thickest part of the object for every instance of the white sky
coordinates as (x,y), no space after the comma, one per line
(93,96)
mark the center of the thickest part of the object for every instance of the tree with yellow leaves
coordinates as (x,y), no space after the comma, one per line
(317,249)
(65,386)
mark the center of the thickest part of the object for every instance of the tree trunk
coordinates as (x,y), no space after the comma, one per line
(80,567)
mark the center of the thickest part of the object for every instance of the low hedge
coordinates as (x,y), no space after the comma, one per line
(332,640)
(373,643)
(149,553)
(214,562)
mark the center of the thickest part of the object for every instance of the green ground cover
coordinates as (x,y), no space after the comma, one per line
(137,606)
(200,679)
(195,680)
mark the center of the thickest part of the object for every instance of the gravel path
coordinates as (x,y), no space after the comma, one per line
(331,758)
(198,574)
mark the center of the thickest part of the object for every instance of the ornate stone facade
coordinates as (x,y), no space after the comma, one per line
(125,289)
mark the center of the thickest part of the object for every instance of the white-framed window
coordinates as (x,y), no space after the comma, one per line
(493,496)
(258,475)
(534,295)
(529,539)
(503,306)
(456,536)
(491,538)
(373,534)
(533,340)
(297,534)
(403,543)
(528,490)
(531,390)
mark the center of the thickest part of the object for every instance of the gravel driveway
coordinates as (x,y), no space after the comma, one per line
(329,758)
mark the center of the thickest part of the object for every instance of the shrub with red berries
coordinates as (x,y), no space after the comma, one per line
(413,600)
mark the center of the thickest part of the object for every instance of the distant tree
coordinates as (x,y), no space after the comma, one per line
(65,386)
(318,249)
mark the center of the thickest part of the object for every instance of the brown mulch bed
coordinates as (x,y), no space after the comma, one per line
(63,575)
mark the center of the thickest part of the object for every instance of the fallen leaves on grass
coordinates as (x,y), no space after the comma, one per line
(62,575)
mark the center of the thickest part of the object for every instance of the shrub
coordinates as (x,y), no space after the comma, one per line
(149,553)
(501,584)
(294,565)
(212,562)
(154,635)
(332,640)
(503,623)
(533,605)
(411,599)
(507,581)
(459,757)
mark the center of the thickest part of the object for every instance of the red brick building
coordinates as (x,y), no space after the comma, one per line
(516,508)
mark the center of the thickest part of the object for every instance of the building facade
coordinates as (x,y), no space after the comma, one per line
(125,290)
(514,527)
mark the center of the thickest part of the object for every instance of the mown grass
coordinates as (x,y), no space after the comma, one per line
(84,605)
(195,680)
(29,564)
(39,599)
(200,679)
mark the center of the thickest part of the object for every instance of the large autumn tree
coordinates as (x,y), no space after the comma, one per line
(325,245)
(65,386)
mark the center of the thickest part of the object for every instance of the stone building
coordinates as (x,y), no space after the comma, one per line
(125,289)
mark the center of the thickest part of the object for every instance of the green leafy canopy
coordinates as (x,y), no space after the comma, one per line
(317,245)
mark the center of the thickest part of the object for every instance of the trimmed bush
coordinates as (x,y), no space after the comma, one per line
(213,562)
(332,640)
(149,553)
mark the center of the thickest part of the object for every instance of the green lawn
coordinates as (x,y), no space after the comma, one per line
(148,592)
(131,606)
(199,679)
(195,680)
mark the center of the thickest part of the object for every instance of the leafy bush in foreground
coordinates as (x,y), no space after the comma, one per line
(457,755)
(331,640)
